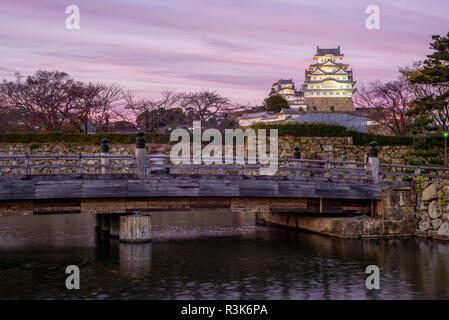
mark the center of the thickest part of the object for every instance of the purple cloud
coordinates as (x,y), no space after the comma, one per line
(236,47)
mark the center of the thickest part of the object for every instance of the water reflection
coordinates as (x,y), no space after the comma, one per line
(209,255)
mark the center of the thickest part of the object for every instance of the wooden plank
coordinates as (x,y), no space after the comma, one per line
(104,188)
(256,188)
(10,190)
(56,206)
(209,202)
(219,187)
(50,189)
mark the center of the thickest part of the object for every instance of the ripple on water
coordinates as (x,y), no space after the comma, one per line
(211,255)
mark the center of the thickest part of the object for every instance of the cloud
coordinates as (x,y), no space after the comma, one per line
(239,47)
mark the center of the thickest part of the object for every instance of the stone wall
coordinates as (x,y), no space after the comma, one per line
(432,212)
(325,148)
(339,148)
(71,149)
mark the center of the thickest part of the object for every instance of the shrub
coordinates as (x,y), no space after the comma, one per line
(305,129)
(424,153)
(429,142)
(334,130)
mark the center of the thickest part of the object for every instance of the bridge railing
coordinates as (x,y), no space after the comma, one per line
(142,165)
(398,172)
(324,169)
(126,164)
(327,169)
(66,164)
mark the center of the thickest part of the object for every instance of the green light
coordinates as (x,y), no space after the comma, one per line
(446,134)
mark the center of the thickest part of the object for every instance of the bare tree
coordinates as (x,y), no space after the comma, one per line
(205,104)
(143,108)
(387,104)
(40,100)
(108,105)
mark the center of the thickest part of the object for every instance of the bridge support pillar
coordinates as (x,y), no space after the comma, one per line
(98,222)
(135,228)
(114,225)
(105,223)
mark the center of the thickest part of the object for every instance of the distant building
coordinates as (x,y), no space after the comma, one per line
(329,84)
(123,127)
(285,116)
(286,89)
(350,120)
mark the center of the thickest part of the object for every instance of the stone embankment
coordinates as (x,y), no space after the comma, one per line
(432,210)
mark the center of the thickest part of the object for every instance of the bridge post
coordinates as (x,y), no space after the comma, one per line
(140,155)
(104,154)
(114,225)
(14,163)
(97,222)
(56,171)
(135,228)
(296,155)
(373,162)
(80,164)
(27,164)
(105,222)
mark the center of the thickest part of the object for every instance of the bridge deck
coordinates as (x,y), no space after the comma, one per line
(183,185)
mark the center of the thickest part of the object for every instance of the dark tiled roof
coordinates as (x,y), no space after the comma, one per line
(323,52)
(290,111)
(253,115)
(349,72)
(329,79)
(282,81)
(324,64)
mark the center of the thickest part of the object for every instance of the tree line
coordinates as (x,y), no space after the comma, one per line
(418,101)
(52,101)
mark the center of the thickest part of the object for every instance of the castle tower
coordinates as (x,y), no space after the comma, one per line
(286,89)
(328,84)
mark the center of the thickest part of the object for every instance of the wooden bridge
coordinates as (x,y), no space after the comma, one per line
(112,186)
(320,186)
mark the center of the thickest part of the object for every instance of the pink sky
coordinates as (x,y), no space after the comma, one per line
(238,48)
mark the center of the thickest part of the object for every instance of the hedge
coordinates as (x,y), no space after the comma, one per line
(289,129)
(80,138)
(305,129)
(358,138)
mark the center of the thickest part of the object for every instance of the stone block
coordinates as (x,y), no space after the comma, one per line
(429,192)
(444,229)
(434,209)
(436,223)
(424,226)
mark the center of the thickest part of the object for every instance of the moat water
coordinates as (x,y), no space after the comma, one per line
(211,255)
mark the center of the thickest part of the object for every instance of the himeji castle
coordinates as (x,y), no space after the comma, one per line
(329,83)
